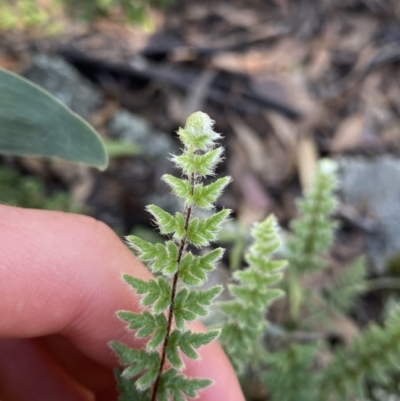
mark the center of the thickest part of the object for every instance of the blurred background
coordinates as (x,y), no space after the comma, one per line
(287,82)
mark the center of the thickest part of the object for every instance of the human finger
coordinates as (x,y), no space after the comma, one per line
(26,373)
(61,273)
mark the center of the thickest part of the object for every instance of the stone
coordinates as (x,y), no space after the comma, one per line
(64,82)
(374,185)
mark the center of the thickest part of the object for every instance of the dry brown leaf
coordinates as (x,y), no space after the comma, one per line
(244,17)
(253,202)
(285,56)
(307,159)
(256,203)
(360,31)
(198,92)
(251,62)
(250,142)
(80,179)
(9,62)
(321,52)
(348,134)
(279,166)
(101,116)
(342,326)
(268,158)
(285,130)
(319,64)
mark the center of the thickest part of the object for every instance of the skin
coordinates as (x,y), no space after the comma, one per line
(60,287)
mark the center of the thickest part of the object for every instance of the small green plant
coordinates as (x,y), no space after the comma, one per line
(294,362)
(27,14)
(30,192)
(367,364)
(170,301)
(252,296)
(313,233)
(289,362)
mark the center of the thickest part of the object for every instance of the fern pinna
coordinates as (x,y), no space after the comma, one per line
(157,370)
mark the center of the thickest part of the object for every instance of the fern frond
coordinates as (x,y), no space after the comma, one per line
(342,292)
(373,357)
(246,320)
(157,370)
(313,232)
(289,376)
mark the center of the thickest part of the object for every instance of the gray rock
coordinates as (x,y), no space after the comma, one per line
(135,129)
(375,185)
(155,146)
(65,83)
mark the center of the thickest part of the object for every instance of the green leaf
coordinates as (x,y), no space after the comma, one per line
(193,234)
(145,322)
(199,165)
(180,230)
(140,286)
(159,256)
(138,361)
(203,141)
(189,305)
(242,314)
(128,390)
(193,270)
(153,365)
(161,332)
(172,262)
(181,312)
(190,273)
(198,301)
(180,188)
(188,340)
(176,384)
(34,123)
(205,164)
(206,196)
(146,250)
(209,261)
(172,351)
(164,299)
(186,271)
(158,292)
(201,233)
(127,355)
(116,148)
(165,221)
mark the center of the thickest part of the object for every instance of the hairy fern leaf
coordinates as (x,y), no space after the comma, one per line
(345,288)
(246,312)
(313,232)
(155,373)
(290,376)
(373,357)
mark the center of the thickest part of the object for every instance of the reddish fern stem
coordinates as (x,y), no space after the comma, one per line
(182,247)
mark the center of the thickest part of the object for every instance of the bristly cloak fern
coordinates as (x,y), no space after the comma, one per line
(313,232)
(289,376)
(156,372)
(252,295)
(373,357)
